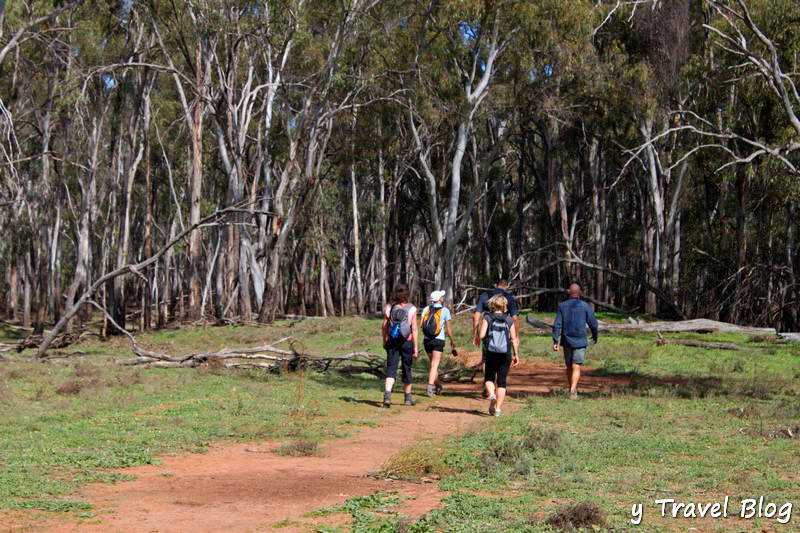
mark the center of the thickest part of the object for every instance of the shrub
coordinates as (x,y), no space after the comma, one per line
(70,387)
(578,516)
(417,462)
(299,448)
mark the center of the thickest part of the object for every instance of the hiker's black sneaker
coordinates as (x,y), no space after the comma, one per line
(387,399)
(438,390)
(409,400)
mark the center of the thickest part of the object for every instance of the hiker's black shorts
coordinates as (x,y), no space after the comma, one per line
(497,367)
(397,352)
(433,345)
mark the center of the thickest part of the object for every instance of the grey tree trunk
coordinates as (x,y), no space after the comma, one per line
(359,288)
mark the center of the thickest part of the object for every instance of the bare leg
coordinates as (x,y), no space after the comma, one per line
(389,384)
(501,395)
(433,376)
(576,375)
(489,388)
(569,376)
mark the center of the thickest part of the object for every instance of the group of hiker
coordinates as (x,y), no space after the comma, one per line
(495,327)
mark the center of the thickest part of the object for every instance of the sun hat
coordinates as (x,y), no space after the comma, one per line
(437,295)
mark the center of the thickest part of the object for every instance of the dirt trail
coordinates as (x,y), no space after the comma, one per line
(233,488)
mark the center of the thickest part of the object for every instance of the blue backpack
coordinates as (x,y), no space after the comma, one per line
(399,327)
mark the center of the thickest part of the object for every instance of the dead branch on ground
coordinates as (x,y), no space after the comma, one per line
(697,325)
(268,357)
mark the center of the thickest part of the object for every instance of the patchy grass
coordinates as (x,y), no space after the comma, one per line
(418,462)
(63,425)
(699,423)
(374,512)
(299,448)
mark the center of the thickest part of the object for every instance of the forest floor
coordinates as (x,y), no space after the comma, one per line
(89,445)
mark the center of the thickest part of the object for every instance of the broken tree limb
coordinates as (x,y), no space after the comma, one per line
(126,269)
(698,325)
(271,358)
(268,356)
(791,337)
(698,344)
(277,359)
(62,340)
(539,324)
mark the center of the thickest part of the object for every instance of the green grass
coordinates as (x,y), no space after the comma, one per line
(374,512)
(695,422)
(63,425)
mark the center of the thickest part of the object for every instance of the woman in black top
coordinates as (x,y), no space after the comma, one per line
(498,331)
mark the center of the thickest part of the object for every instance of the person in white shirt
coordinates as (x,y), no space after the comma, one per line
(435,322)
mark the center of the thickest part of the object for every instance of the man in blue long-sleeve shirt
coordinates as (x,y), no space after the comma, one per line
(569,330)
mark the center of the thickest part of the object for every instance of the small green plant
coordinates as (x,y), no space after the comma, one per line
(299,448)
(53,506)
(380,501)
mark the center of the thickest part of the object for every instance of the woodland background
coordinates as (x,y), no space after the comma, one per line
(317,153)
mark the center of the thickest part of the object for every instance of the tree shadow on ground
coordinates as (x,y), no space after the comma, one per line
(681,386)
(443,409)
(350,399)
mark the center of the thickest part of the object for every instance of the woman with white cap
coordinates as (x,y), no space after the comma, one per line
(434,323)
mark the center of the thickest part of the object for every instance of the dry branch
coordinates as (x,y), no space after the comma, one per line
(791,337)
(698,325)
(267,356)
(62,340)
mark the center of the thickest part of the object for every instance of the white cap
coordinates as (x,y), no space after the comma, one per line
(437,295)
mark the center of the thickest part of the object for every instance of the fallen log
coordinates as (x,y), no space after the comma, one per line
(791,337)
(698,325)
(699,344)
(63,340)
(268,356)
(539,324)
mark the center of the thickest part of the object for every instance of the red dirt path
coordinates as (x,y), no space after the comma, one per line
(233,489)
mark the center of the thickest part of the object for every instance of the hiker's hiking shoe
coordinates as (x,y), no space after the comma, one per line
(497,412)
(409,400)
(493,405)
(438,391)
(573,395)
(387,399)
(430,390)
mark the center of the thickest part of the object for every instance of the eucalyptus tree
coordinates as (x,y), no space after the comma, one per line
(455,63)
(309,104)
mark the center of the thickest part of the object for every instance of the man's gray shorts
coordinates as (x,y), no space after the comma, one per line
(574,356)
